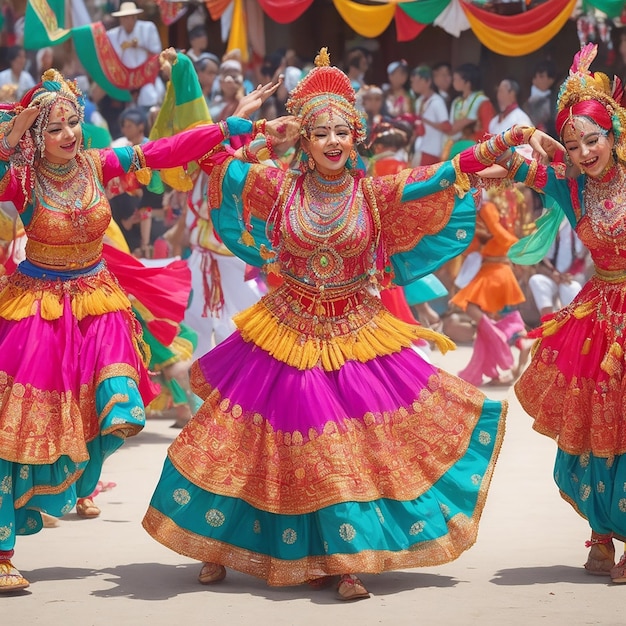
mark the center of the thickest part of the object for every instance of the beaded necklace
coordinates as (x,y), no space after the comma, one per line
(605,204)
(323,217)
(65,187)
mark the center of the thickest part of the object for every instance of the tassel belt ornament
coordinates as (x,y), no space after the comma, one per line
(307,327)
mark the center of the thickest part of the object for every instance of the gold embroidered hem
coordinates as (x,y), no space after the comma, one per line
(396,454)
(305,332)
(47,490)
(70,423)
(278,572)
(27,438)
(96,294)
(554,402)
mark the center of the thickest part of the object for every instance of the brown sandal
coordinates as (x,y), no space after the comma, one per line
(601,559)
(618,573)
(211,573)
(351,588)
(86,508)
(10,578)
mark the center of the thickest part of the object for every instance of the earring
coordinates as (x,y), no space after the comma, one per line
(567,159)
(353,158)
(311,164)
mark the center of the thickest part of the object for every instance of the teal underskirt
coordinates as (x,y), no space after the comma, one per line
(596,488)
(59,497)
(344,528)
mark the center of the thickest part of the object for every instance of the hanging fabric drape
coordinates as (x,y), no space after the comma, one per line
(510,44)
(284,11)
(367,20)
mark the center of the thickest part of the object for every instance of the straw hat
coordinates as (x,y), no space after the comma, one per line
(127,8)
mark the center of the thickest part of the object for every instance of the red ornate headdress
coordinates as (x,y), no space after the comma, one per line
(325,89)
(583,86)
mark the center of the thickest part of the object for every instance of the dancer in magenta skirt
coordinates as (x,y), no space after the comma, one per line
(73,378)
(326,446)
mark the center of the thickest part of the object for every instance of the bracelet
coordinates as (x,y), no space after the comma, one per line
(7,147)
(258,127)
(224,128)
(248,155)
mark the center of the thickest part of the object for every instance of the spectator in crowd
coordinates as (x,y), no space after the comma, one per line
(560,275)
(198,42)
(231,90)
(541,104)
(471,107)
(135,41)
(207,68)
(431,109)
(442,79)
(370,100)
(44,60)
(131,203)
(397,97)
(357,64)
(16,73)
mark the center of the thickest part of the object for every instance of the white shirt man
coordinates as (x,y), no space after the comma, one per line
(432,110)
(510,112)
(135,41)
(559,285)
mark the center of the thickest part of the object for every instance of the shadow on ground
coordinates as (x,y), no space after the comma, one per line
(550,574)
(158,581)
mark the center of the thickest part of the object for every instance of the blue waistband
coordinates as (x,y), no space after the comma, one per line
(29,269)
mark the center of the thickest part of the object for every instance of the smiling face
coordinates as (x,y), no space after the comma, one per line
(63,135)
(329,143)
(589,146)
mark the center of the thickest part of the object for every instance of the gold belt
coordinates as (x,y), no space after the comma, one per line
(611,276)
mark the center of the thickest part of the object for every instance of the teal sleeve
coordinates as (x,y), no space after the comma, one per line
(238,126)
(228,218)
(555,187)
(432,251)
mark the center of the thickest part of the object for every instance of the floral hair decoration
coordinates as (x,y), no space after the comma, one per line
(582,91)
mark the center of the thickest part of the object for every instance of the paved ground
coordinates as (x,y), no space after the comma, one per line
(524,569)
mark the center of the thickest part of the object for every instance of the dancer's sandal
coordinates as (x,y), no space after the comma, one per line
(618,573)
(211,573)
(86,508)
(351,588)
(10,578)
(601,559)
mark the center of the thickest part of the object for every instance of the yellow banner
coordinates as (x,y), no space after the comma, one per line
(238,38)
(511,45)
(366,20)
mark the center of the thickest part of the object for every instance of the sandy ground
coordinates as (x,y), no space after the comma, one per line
(524,569)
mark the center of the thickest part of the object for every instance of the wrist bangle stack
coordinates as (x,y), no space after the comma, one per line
(258,127)
(6,150)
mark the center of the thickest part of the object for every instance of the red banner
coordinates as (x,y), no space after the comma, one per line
(522,23)
(116,72)
(407,28)
(285,11)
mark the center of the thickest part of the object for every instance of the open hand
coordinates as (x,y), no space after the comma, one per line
(283,132)
(544,147)
(252,102)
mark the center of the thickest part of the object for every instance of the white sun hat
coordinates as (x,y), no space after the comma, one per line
(127,8)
